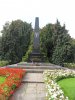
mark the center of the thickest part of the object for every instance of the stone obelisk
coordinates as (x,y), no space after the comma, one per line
(36,45)
(36,56)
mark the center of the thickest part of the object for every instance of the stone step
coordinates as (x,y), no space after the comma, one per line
(31,82)
(34,70)
(34,64)
(34,67)
(33,78)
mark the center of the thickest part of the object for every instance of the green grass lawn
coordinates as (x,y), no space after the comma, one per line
(68,86)
(2,79)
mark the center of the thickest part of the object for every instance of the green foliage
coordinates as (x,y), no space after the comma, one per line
(13,86)
(46,45)
(56,43)
(2,79)
(4,63)
(69,65)
(72,50)
(15,40)
(62,53)
(26,57)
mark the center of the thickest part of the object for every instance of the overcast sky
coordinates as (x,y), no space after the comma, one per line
(47,11)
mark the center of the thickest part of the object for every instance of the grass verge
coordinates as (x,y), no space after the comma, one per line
(53,90)
(68,86)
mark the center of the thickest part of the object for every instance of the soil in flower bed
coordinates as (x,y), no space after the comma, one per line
(2,79)
(68,87)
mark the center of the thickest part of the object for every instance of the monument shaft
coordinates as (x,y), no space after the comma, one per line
(36,35)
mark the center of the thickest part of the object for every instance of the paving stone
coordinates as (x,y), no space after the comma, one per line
(33,77)
(35,67)
(30,91)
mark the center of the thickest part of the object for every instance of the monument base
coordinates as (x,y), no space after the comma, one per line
(36,57)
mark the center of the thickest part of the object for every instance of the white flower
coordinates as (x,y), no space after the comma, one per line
(53,90)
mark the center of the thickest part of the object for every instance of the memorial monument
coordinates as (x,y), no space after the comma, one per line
(36,42)
(36,55)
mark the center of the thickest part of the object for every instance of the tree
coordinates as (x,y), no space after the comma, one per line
(46,40)
(56,42)
(61,53)
(72,51)
(15,40)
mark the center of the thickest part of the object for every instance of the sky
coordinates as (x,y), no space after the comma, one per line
(48,11)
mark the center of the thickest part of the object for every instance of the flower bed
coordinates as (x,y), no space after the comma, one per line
(51,77)
(13,80)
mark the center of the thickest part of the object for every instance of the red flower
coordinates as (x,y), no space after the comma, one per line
(11,92)
(14,76)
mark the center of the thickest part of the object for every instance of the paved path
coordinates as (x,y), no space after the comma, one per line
(30,91)
(32,87)
(33,78)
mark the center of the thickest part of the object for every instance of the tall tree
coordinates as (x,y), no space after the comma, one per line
(46,40)
(61,52)
(56,42)
(15,40)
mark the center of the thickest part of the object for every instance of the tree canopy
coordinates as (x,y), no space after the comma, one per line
(56,43)
(15,40)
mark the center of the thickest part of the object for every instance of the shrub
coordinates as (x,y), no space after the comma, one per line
(3,63)
(69,65)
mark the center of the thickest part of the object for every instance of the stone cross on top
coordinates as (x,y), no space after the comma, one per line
(36,35)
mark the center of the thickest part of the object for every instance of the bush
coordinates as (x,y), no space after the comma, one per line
(3,63)
(69,65)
